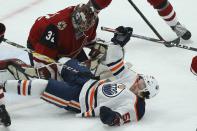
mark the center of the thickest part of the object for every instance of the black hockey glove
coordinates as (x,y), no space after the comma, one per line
(2,31)
(122,36)
(109,117)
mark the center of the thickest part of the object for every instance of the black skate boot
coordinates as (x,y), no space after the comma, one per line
(181,31)
(4,116)
(2,86)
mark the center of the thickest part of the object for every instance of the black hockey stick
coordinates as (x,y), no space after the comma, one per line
(173,43)
(16,45)
(146,20)
(2,31)
(169,43)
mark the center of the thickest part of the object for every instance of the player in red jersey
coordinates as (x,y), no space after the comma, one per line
(65,33)
(166,11)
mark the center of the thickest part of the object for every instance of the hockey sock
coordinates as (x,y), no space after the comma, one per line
(26,87)
(167,13)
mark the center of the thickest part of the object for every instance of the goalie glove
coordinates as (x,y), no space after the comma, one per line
(122,36)
(110,117)
(97,53)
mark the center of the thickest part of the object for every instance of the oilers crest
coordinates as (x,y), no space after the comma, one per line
(112,90)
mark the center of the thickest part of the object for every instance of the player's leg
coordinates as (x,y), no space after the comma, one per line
(62,94)
(20,87)
(168,14)
(26,87)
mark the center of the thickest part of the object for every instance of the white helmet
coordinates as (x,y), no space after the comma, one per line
(152,87)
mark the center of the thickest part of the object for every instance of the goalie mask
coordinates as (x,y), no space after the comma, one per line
(83,17)
(151,87)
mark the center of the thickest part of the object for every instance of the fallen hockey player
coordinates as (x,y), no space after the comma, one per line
(116,100)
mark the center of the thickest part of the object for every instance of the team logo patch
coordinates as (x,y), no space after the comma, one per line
(61,25)
(112,90)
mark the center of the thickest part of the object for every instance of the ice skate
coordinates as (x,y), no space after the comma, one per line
(181,31)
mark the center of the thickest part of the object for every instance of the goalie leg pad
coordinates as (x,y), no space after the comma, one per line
(63,95)
(49,71)
(15,67)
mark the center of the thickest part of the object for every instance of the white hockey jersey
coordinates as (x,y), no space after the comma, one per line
(114,94)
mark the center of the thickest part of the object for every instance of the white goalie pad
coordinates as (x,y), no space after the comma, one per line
(6,75)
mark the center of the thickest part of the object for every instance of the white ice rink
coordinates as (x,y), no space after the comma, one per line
(175,107)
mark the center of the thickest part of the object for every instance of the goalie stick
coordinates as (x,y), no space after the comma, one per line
(173,43)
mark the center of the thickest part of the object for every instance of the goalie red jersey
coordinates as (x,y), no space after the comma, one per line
(66,32)
(54,35)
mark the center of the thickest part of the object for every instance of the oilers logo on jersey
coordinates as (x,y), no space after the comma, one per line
(112,90)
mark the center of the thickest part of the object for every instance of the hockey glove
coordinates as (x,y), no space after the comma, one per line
(122,36)
(2,31)
(98,51)
(109,117)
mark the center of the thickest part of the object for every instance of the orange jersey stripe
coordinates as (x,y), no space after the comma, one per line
(24,87)
(92,97)
(56,100)
(118,66)
(92,94)
(75,104)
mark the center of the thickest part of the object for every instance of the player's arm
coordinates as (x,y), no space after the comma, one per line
(115,117)
(109,117)
(112,54)
(43,39)
(128,111)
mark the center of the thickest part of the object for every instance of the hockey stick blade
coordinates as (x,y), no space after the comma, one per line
(172,43)
(176,43)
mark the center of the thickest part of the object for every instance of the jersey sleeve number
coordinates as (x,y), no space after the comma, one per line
(126,117)
(50,36)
